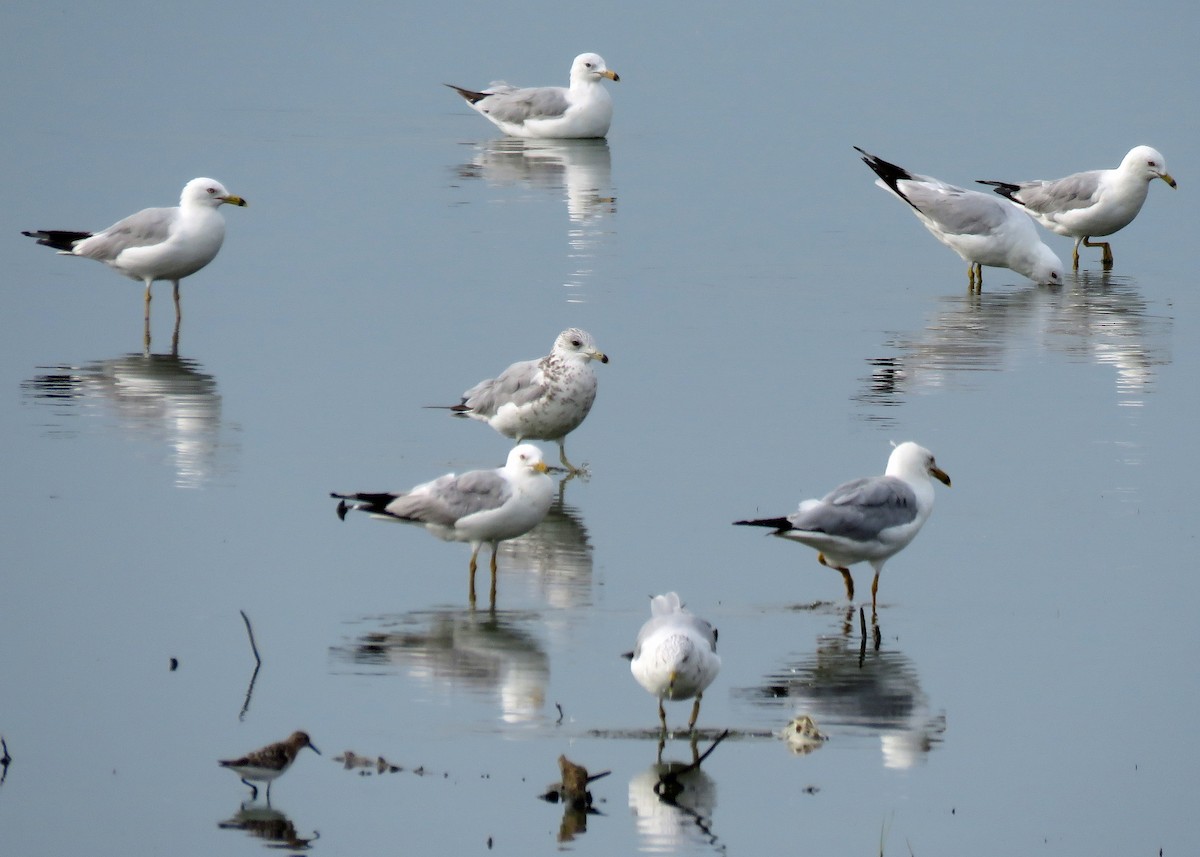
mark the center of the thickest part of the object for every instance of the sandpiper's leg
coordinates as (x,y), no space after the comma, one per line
(253,789)
(269,792)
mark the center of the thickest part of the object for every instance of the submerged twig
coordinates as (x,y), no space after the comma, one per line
(257,666)
(250,633)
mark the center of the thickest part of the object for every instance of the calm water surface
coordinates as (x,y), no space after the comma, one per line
(773,320)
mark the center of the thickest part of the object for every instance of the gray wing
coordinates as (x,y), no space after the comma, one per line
(448,498)
(701,626)
(860,509)
(515,384)
(957,211)
(519,105)
(1074,191)
(148,226)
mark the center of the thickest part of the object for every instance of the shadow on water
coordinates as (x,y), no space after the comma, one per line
(849,688)
(1096,318)
(270,825)
(581,170)
(492,653)
(156,399)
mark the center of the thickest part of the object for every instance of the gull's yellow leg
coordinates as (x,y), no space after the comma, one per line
(471,587)
(1106,256)
(178,312)
(695,712)
(1075,254)
(492,591)
(874,590)
(849,581)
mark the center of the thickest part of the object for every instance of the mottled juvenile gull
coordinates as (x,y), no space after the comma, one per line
(270,762)
(1094,203)
(155,243)
(544,399)
(480,506)
(582,110)
(978,227)
(866,520)
(675,656)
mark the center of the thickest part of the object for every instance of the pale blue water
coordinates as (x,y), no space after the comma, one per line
(773,319)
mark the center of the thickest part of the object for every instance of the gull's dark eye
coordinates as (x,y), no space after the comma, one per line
(212,190)
(576,343)
(588,64)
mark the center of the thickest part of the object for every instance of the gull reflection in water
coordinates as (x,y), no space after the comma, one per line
(676,818)
(581,170)
(489,654)
(555,557)
(160,399)
(274,827)
(850,689)
(1095,318)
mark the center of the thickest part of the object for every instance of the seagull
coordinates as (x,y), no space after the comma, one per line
(582,110)
(479,507)
(866,520)
(675,656)
(543,399)
(270,762)
(155,243)
(980,228)
(1094,203)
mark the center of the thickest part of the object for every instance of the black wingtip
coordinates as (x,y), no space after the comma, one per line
(469,94)
(627,656)
(773,523)
(342,508)
(1005,189)
(57,239)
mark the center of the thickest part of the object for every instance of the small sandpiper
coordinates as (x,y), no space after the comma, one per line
(270,762)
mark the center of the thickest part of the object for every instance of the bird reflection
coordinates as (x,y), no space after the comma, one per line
(163,399)
(581,170)
(1096,318)
(488,653)
(851,688)
(558,552)
(672,819)
(271,825)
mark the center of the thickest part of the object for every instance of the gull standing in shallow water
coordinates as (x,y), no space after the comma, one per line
(544,399)
(866,520)
(270,762)
(978,227)
(1095,203)
(582,110)
(479,507)
(675,656)
(155,243)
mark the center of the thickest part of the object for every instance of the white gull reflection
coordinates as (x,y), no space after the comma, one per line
(671,822)
(553,561)
(486,653)
(851,690)
(1096,318)
(580,171)
(158,400)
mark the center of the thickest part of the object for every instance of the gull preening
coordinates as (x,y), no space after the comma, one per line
(675,656)
(866,520)
(1090,204)
(584,109)
(978,227)
(479,507)
(543,399)
(270,762)
(156,243)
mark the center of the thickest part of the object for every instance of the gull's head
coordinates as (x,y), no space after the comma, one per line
(211,192)
(1045,268)
(526,456)
(910,461)
(1147,162)
(591,67)
(574,342)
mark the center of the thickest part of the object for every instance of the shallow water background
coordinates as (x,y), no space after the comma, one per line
(773,319)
